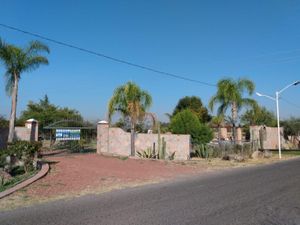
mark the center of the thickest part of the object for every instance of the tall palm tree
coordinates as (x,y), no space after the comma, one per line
(130,100)
(230,95)
(17,61)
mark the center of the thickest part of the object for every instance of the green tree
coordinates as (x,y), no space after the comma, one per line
(259,116)
(291,127)
(47,113)
(3,122)
(131,101)
(17,61)
(230,95)
(194,104)
(186,122)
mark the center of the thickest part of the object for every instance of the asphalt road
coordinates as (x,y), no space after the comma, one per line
(261,195)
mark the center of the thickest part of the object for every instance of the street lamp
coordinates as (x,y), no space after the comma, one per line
(277,93)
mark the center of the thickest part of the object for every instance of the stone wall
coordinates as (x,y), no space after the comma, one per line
(266,137)
(224,134)
(117,141)
(27,133)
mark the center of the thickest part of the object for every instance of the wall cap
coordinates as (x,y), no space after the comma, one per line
(31,120)
(102,122)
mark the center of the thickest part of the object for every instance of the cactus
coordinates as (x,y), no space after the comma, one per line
(162,150)
(202,151)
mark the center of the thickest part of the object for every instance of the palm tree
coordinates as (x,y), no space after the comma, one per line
(130,100)
(17,61)
(230,94)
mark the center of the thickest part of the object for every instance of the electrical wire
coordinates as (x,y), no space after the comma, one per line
(171,75)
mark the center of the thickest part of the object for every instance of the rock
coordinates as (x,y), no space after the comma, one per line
(267,154)
(239,158)
(257,155)
(228,157)
(234,157)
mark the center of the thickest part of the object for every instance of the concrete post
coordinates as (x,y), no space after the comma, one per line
(102,137)
(33,125)
(223,133)
(239,135)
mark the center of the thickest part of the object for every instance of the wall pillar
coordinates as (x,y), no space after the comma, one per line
(102,137)
(223,133)
(239,135)
(33,125)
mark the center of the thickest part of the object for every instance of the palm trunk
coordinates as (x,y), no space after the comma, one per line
(132,146)
(14,98)
(234,119)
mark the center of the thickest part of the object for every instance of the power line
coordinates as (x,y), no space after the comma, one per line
(291,103)
(172,75)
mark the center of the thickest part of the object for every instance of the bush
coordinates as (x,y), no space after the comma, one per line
(24,151)
(186,122)
(74,146)
(21,148)
(147,154)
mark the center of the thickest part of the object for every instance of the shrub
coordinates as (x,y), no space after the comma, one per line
(186,122)
(147,154)
(24,151)
(20,148)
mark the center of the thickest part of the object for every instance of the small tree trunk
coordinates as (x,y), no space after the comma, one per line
(132,146)
(14,98)
(234,120)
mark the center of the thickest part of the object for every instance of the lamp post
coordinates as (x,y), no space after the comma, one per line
(277,93)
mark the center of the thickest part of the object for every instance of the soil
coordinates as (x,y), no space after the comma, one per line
(78,174)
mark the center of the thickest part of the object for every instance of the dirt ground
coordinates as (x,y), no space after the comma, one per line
(78,174)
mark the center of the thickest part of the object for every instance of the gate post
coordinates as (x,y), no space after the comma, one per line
(102,136)
(33,125)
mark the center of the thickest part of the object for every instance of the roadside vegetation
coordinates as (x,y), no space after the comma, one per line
(131,104)
(17,61)
(18,162)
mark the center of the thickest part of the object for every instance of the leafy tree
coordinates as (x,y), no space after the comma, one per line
(186,122)
(17,61)
(131,101)
(194,104)
(291,127)
(47,113)
(3,122)
(259,116)
(230,95)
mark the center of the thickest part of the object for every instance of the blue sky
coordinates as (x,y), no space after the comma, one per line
(203,40)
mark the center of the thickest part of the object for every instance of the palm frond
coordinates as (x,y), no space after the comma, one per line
(250,102)
(35,47)
(222,109)
(246,85)
(34,62)
(9,83)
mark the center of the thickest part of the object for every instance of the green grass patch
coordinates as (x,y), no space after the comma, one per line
(16,180)
(288,152)
(123,157)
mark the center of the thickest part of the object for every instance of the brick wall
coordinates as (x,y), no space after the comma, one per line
(117,141)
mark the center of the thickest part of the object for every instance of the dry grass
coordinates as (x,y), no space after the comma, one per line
(22,199)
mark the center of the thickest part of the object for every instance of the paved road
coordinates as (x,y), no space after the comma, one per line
(262,195)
